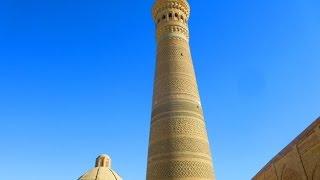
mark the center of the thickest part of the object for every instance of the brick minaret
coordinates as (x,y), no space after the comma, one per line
(178,147)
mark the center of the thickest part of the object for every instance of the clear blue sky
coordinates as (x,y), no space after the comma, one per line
(76,81)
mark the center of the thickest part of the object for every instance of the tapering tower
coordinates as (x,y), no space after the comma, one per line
(178,147)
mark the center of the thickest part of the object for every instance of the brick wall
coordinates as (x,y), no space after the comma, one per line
(300,160)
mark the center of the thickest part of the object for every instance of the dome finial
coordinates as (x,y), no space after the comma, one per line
(103,161)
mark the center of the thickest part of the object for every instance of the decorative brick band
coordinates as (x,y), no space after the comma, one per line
(180,169)
(177,106)
(175,145)
(168,157)
(165,30)
(178,127)
(173,114)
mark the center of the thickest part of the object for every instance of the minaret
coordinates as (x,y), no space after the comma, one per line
(178,145)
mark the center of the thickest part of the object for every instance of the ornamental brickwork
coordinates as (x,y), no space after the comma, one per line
(178,145)
(300,160)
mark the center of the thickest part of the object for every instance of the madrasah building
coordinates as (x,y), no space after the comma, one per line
(178,144)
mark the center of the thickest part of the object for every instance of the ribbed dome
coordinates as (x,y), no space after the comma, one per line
(102,171)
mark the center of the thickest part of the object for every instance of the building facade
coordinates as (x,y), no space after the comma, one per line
(178,144)
(300,160)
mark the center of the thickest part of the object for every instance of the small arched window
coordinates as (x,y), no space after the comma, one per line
(170,15)
(164,17)
(182,18)
(176,15)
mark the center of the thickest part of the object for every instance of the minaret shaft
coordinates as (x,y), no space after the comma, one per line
(178,145)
